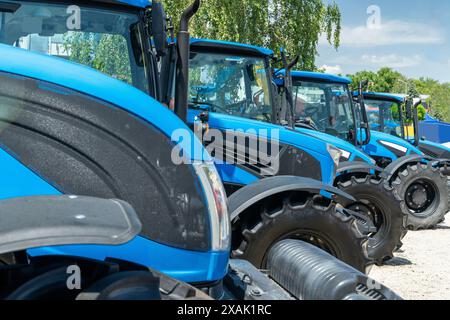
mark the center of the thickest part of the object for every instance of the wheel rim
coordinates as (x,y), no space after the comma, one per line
(422,198)
(372,211)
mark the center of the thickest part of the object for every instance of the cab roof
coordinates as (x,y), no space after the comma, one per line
(384,96)
(225,46)
(134,3)
(324,77)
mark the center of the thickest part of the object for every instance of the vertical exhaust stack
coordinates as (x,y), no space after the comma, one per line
(288,85)
(364,121)
(416,122)
(182,72)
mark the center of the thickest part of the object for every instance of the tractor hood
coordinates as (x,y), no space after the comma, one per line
(388,146)
(309,144)
(91,82)
(434,149)
(349,151)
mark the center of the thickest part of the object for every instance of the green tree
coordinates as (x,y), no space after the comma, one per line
(390,81)
(439,97)
(104,52)
(385,80)
(295,25)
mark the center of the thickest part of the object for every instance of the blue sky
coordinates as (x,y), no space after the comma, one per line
(413,37)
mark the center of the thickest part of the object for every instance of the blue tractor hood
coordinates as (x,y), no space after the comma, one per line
(91,82)
(315,146)
(436,145)
(350,152)
(388,146)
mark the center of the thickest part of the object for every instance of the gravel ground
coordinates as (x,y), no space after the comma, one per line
(421,270)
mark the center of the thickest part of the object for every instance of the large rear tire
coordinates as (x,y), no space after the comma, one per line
(448,191)
(299,216)
(425,191)
(386,210)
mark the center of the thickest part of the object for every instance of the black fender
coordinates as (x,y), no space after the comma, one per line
(253,193)
(358,166)
(65,220)
(391,169)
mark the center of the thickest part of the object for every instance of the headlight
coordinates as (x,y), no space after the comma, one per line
(217,205)
(335,154)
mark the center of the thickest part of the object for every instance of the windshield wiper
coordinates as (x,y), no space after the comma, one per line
(305,123)
(9,7)
(214,107)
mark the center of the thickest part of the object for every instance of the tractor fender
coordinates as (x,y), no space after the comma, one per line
(391,169)
(65,220)
(357,166)
(253,193)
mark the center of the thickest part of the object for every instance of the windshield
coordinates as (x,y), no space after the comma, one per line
(238,86)
(106,40)
(384,116)
(326,107)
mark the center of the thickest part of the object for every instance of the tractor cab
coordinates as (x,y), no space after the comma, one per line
(110,36)
(324,105)
(385,113)
(232,83)
(397,115)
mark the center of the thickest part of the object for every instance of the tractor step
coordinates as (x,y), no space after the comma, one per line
(246,282)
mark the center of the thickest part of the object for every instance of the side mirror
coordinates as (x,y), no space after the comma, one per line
(159,28)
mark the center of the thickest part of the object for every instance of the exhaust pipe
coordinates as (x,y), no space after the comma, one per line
(309,273)
(182,71)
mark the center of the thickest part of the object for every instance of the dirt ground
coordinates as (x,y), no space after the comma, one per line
(421,270)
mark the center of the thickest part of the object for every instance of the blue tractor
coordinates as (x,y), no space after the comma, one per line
(232,89)
(323,109)
(67,129)
(232,98)
(390,114)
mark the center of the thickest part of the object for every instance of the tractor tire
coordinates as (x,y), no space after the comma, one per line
(299,216)
(385,208)
(448,191)
(425,191)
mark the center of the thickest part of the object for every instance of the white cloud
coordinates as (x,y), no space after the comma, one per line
(394,32)
(392,60)
(337,69)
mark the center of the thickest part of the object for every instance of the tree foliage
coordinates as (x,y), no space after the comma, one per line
(390,81)
(295,25)
(104,52)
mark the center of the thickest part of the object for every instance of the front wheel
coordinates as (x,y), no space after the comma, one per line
(384,207)
(299,216)
(426,195)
